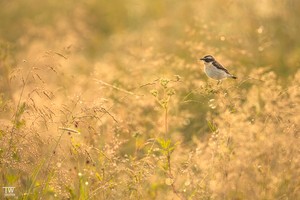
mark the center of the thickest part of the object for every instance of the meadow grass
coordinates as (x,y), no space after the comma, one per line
(110,101)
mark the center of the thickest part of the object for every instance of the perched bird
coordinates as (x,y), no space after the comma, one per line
(215,70)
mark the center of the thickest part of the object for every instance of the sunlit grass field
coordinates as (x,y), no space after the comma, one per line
(108,100)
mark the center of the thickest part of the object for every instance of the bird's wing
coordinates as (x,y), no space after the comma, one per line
(219,66)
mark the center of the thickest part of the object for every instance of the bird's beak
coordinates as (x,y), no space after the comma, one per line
(201,58)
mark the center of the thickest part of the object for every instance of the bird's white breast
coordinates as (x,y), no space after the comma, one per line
(213,72)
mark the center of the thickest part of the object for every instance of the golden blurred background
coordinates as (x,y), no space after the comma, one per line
(250,34)
(108,99)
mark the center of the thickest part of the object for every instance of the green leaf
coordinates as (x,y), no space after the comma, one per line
(211,126)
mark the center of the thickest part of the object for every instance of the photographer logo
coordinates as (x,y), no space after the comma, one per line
(9,191)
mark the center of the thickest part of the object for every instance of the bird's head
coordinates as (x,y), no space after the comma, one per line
(208,59)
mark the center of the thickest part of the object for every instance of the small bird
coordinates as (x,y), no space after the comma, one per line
(215,70)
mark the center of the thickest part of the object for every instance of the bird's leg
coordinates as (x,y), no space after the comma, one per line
(219,81)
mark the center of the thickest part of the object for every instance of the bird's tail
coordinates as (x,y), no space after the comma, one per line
(234,77)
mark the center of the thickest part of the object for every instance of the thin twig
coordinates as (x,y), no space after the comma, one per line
(48,163)
(166,121)
(61,55)
(115,87)
(18,107)
(105,111)
(68,129)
